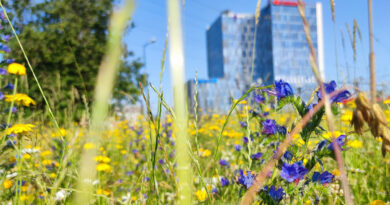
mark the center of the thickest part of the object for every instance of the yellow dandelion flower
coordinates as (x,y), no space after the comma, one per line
(336,172)
(53,175)
(27,156)
(201,195)
(20,129)
(387,101)
(102,159)
(133,198)
(7,184)
(46,153)
(17,69)
(20,99)
(89,146)
(355,143)
(102,167)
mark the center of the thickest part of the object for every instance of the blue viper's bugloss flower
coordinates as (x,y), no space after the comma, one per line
(293,172)
(288,155)
(323,178)
(257,156)
(283,89)
(245,139)
(3,71)
(2,16)
(214,191)
(245,178)
(282,130)
(14,110)
(331,87)
(161,161)
(269,127)
(259,98)
(8,61)
(237,147)
(223,163)
(275,194)
(339,140)
(5,48)
(6,38)
(224,181)
(9,86)
(243,124)
(1,95)
(320,145)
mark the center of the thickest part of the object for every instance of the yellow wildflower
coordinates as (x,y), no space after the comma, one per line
(27,156)
(387,101)
(7,184)
(201,195)
(17,69)
(336,172)
(377,202)
(53,175)
(204,152)
(103,192)
(102,167)
(20,99)
(46,153)
(102,159)
(20,129)
(89,145)
(355,143)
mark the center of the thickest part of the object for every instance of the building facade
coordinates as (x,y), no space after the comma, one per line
(237,58)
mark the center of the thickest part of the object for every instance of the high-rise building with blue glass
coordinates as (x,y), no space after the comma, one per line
(280,51)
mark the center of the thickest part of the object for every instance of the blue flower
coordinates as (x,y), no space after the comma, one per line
(5,48)
(293,172)
(14,110)
(6,38)
(2,16)
(237,147)
(9,86)
(214,191)
(3,71)
(282,130)
(259,98)
(1,95)
(161,161)
(224,181)
(246,178)
(331,87)
(320,145)
(323,178)
(288,155)
(223,163)
(269,127)
(243,124)
(257,156)
(276,194)
(339,140)
(283,89)
(245,139)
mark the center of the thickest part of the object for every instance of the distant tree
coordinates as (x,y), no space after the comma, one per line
(65,41)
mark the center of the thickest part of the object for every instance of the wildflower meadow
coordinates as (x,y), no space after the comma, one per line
(272,147)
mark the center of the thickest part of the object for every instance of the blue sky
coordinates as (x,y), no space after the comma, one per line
(151,22)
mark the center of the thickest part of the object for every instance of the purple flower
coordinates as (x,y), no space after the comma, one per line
(214,191)
(223,163)
(161,161)
(257,156)
(237,147)
(288,155)
(8,61)
(245,139)
(259,98)
(283,89)
(2,16)
(276,194)
(224,181)
(3,71)
(245,178)
(5,48)
(6,38)
(9,86)
(243,124)
(339,140)
(323,178)
(269,127)
(14,110)
(1,95)
(331,87)
(293,172)
(320,145)
(282,130)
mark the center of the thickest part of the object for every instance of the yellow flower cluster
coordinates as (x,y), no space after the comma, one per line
(201,195)
(204,152)
(20,99)
(20,129)
(17,69)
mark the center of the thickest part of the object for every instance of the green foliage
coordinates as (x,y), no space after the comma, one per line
(65,41)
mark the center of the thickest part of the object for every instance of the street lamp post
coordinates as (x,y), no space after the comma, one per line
(153,40)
